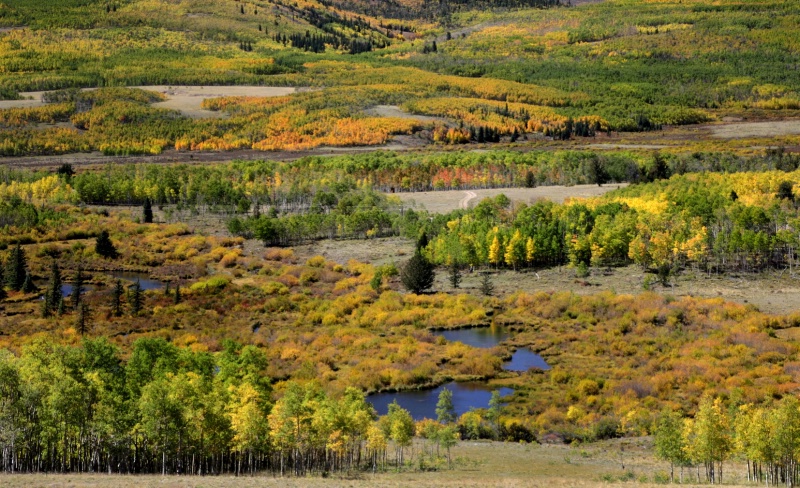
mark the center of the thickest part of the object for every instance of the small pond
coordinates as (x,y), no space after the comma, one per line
(482,337)
(144,280)
(66,288)
(422,403)
(485,337)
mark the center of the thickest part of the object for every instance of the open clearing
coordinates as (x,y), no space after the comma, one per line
(743,130)
(397,112)
(188,99)
(478,464)
(772,292)
(185,99)
(449,200)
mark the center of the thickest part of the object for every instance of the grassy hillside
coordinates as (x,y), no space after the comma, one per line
(494,75)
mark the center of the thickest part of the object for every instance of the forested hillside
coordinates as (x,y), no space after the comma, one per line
(499,73)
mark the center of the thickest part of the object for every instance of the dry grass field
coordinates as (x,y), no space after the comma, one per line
(771,292)
(476,464)
(448,200)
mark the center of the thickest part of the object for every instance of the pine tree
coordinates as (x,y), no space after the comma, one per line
(104,247)
(46,309)
(177,294)
(418,274)
(60,306)
(486,287)
(116,298)
(53,295)
(422,242)
(455,275)
(28,286)
(82,318)
(135,298)
(147,211)
(15,268)
(77,288)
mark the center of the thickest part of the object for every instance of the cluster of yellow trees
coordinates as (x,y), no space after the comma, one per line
(765,436)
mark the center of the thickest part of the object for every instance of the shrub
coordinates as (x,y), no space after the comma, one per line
(212,284)
(316,262)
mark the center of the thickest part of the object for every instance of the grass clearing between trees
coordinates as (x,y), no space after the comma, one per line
(478,464)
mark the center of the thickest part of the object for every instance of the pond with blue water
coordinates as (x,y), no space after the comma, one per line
(466,395)
(421,404)
(144,280)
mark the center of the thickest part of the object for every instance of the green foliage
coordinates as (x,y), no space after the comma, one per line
(77,288)
(454,275)
(104,247)
(211,285)
(418,274)
(486,286)
(445,411)
(16,269)
(135,298)
(116,298)
(147,211)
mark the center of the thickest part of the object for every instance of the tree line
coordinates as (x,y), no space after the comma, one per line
(172,410)
(765,437)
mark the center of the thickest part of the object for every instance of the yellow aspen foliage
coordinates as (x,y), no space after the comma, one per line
(495,251)
(530,250)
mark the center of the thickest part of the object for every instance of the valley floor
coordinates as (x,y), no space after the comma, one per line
(478,464)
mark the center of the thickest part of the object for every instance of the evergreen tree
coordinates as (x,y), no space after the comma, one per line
(418,274)
(77,288)
(46,309)
(28,286)
(455,275)
(116,298)
(147,211)
(177,294)
(135,298)
(486,286)
(785,191)
(82,318)
(104,247)
(445,410)
(53,295)
(60,306)
(15,268)
(422,242)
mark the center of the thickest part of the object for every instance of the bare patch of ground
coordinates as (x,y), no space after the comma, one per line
(184,99)
(29,99)
(743,130)
(449,200)
(188,99)
(395,111)
(772,292)
(476,464)
(374,251)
